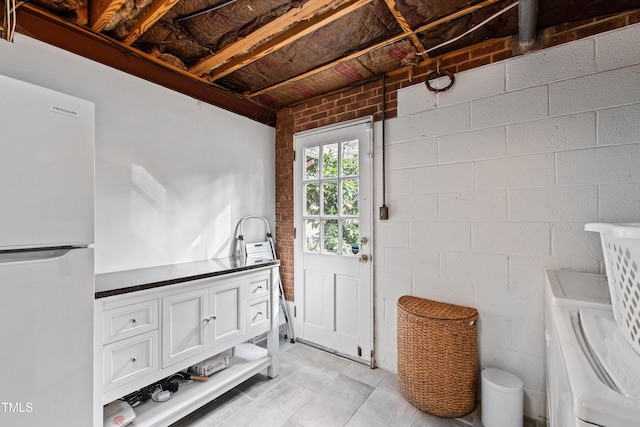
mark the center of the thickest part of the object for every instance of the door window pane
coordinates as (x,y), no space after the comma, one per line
(312,161)
(312,235)
(330,198)
(330,235)
(350,236)
(350,197)
(349,158)
(330,160)
(312,196)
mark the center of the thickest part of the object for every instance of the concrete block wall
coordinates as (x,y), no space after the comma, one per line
(490,183)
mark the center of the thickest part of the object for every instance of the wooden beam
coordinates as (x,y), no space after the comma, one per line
(379,45)
(391,4)
(46,27)
(101,12)
(157,10)
(293,34)
(307,11)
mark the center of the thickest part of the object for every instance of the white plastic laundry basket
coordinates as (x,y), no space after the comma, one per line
(621,248)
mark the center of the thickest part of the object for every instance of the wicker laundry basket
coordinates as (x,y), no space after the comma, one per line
(437,356)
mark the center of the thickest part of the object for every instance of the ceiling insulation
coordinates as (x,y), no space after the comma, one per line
(276,53)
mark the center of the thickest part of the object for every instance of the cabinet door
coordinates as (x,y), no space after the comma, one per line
(225,311)
(183,320)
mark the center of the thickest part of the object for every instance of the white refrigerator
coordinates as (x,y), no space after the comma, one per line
(46,264)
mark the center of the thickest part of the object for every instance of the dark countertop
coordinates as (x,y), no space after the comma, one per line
(122,282)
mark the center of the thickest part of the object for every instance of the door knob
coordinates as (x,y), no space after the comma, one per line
(363,258)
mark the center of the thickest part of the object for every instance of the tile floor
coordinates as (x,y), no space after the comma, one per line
(316,388)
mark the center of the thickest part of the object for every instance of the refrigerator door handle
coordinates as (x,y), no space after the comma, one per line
(20,257)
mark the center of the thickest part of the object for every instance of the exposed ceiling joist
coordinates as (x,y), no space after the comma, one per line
(64,34)
(376,46)
(266,32)
(276,53)
(296,33)
(415,41)
(153,14)
(101,12)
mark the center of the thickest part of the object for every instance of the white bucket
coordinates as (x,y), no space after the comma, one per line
(502,399)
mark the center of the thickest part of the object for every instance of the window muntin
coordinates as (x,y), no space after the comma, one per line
(331,194)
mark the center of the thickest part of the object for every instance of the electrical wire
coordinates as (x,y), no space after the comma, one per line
(6,24)
(10,17)
(10,21)
(202,12)
(455,39)
(384,210)
(15,20)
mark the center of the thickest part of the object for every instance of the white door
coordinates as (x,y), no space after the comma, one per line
(333,246)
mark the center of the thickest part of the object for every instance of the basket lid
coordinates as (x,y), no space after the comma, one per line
(434,309)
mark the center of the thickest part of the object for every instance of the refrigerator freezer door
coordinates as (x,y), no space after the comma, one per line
(46,167)
(46,338)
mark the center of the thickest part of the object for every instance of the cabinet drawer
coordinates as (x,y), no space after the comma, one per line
(259,315)
(259,286)
(129,359)
(130,320)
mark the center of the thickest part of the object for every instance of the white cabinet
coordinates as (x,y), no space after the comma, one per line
(183,318)
(258,303)
(130,359)
(259,285)
(130,338)
(129,320)
(258,316)
(146,335)
(201,319)
(225,312)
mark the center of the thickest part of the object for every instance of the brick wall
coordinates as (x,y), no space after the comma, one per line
(365,100)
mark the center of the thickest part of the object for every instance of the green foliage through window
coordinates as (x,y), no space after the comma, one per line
(331,194)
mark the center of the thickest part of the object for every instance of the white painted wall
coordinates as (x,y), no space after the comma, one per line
(492,182)
(173,175)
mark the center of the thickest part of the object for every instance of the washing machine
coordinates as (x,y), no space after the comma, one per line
(593,374)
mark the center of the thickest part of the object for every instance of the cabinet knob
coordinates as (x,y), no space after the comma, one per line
(134,320)
(133,360)
(206,319)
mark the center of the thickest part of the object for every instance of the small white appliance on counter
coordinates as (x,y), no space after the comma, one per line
(46,266)
(593,374)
